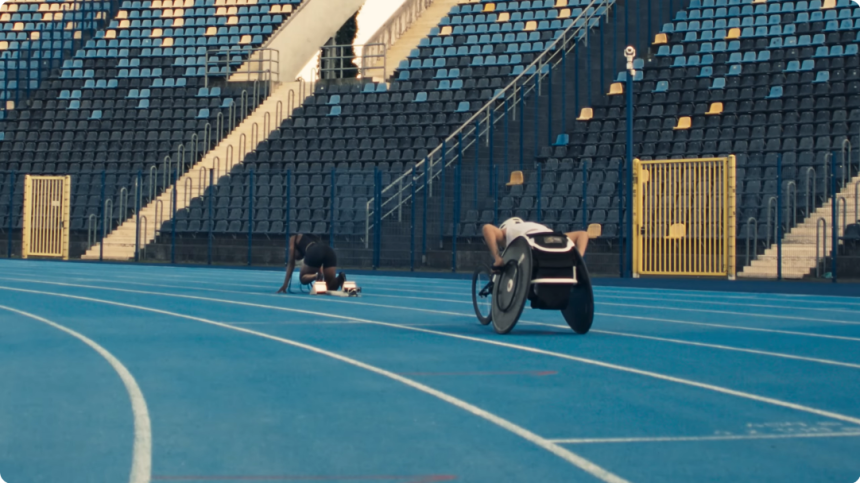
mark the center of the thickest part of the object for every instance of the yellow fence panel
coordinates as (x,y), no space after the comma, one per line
(46,216)
(684,217)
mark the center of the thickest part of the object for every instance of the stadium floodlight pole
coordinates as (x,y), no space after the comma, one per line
(630,53)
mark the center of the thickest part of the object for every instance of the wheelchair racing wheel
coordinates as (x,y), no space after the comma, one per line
(482,293)
(579,313)
(511,289)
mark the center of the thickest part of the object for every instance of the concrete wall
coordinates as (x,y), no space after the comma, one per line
(305,32)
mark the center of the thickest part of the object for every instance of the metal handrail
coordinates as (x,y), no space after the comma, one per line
(195,140)
(755,243)
(399,22)
(818,224)
(284,25)
(846,162)
(189,187)
(159,210)
(270,57)
(243,144)
(166,168)
(255,135)
(814,178)
(108,217)
(201,181)
(519,83)
(844,215)
(791,189)
(122,202)
(279,109)
(207,136)
(326,57)
(857,200)
(827,158)
(92,230)
(153,181)
(772,208)
(143,224)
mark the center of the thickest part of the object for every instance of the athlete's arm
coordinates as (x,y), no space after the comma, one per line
(291,265)
(580,239)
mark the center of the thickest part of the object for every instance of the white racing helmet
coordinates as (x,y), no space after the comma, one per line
(510,221)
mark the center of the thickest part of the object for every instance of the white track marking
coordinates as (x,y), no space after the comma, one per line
(727,312)
(728,437)
(523,348)
(772,297)
(141,461)
(460,314)
(734,304)
(714,346)
(533,438)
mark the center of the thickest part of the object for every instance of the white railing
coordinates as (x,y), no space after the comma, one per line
(399,22)
(527,81)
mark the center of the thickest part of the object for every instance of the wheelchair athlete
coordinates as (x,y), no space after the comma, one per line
(512,228)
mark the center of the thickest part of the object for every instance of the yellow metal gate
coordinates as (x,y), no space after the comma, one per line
(46,216)
(684,217)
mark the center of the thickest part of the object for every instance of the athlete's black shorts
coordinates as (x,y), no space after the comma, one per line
(319,255)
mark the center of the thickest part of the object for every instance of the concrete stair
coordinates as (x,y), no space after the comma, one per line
(120,244)
(798,245)
(409,40)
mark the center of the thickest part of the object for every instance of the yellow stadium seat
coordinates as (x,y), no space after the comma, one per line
(178,12)
(504,17)
(560,3)
(516,178)
(220,3)
(828,4)
(734,33)
(55,7)
(287,9)
(168,42)
(446,30)
(684,123)
(45,7)
(156,5)
(232,10)
(233,21)
(759,1)
(122,14)
(245,40)
(531,26)
(716,108)
(586,114)
(110,34)
(564,13)
(221,11)
(19,26)
(661,39)
(10,105)
(595,230)
(4,45)
(212,31)
(124,24)
(275,9)
(34,35)
(179,22)
(489,7)
(189,4)
(5,17)
(615,89)
(231,2)
(156,33)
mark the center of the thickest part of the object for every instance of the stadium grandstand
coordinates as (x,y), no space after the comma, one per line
(192,133)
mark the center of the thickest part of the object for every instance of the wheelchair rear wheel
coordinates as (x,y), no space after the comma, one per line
(482,294)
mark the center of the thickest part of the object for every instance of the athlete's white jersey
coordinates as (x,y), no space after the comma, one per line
(515,230)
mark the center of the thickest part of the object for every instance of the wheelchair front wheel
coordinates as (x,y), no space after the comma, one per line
(482,294)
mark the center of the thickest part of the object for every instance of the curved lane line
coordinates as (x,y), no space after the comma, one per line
(533,438)
(606,365)
(141,462)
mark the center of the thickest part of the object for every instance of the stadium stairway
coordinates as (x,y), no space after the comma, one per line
(799,244)
(418,30)
(120,244)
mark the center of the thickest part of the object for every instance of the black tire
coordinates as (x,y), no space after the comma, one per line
(482,294)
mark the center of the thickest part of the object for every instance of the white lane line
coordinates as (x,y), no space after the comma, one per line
(141,460)
(734,304)
(728,312)
(529,436)
(523,348)
(719,346)
(771,297)
(460,314)
(729,437)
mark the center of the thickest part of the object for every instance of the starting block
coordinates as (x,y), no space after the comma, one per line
(349,289)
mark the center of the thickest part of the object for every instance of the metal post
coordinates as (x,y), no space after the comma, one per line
(539,192)
(250,215)
(549,107)
(834,247)
(584,195)
(331,231)
(496,197)
(455,217)
(564,86)
(173,216)
(412,224)
(522,123)
(287,202)
(442,200)
(507,133)
(378,217)
(779,217)
(211,216)
(137,196)
(576,78)
(537,106)
(490,128)
(475,169)
(424,216)
(11,206)
(627,219)
(101,218)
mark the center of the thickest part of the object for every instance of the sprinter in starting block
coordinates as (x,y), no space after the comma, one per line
(319,263)
(538,265)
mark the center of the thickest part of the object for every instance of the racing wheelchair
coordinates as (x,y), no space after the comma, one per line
(545,269)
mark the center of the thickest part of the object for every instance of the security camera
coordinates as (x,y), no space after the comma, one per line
(630,52)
